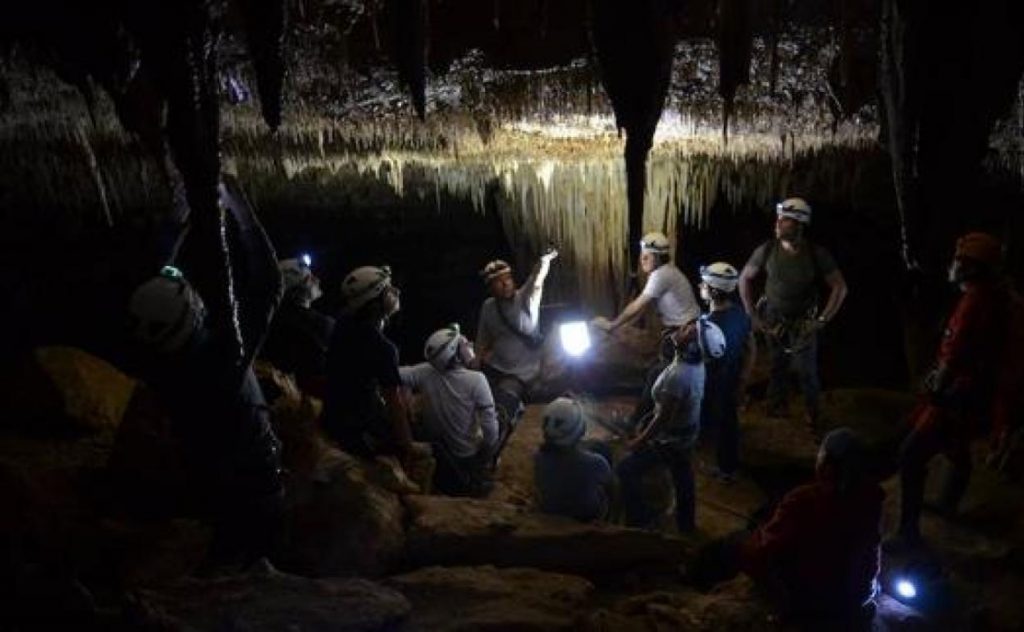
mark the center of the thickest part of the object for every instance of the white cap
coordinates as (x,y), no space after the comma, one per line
(563,422)
(720,275)
(363,285)
(441,347)
(495,269)
(166,311)
(794,208)
(655,242)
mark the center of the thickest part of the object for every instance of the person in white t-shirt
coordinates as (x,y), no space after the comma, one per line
(671,293)
(459,416)
(667,287)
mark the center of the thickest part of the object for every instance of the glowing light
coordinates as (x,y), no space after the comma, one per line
(575,338)
(306,259)
(906,589)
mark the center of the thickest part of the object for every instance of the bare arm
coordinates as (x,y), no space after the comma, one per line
(836,296)
(630,313)
(663,411)
(534,285)
(746,285)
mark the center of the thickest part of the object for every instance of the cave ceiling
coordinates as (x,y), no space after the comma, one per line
(517,92)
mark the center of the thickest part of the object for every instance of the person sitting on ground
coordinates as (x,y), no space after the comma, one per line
(365,412)
(670,291)
(668,438)
(299,335)
(459,420)
(722,386)
(191,358)
(571,480)
(962,390)
(818,555)
(508,341)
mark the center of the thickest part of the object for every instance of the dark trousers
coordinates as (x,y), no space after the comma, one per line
(916,452)
(720,421)
(631,472)
(805,361)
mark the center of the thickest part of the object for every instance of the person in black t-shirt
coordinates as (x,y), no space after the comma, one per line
(299,335)
(364,409)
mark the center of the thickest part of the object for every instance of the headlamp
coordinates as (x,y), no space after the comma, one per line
(171,272)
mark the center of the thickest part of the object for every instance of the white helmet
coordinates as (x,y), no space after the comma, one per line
(297,277)
(563,422)
(166,311)
(710,338)
(494,269)
(363,285)
(720,275)
(794,208)
(655,242)
(441,347)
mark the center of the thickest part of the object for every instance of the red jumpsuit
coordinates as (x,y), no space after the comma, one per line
(961,408)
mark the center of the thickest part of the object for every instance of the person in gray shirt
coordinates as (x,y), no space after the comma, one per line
(508,340)
(789,312)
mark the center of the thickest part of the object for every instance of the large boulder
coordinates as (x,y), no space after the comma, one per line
(462,531)
(146,465)
(269,600)
(64,390)
(340,522)
(489,598)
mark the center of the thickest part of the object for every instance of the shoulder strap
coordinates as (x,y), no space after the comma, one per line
(533,342)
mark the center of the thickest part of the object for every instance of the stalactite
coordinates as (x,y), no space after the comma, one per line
(266,24)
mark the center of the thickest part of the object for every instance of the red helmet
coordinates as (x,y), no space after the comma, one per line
(980,247)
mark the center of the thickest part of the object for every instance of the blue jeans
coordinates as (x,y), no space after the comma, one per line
(805,361)
(631,472)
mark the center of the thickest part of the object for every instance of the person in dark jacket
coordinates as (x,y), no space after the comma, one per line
(572,481)
(719,416)
(192,359)
(300,335)
(817,557)
(365,412)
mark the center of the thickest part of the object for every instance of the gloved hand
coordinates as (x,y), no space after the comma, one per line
(548,255)
(935,381)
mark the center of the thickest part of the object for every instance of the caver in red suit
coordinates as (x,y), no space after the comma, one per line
(818,555)
(960,390)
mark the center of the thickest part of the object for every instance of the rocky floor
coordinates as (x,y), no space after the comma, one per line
(365,554)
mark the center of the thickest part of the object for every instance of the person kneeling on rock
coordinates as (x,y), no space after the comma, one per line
(459,421)
(572,480)
(817,557)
